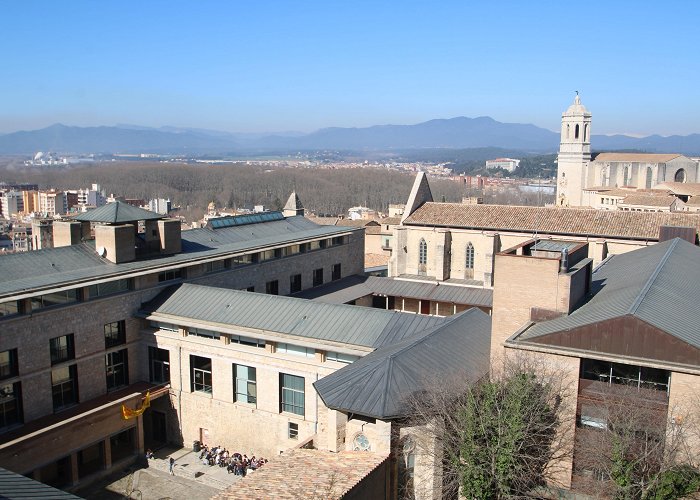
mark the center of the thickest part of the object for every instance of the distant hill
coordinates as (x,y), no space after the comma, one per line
(453,133)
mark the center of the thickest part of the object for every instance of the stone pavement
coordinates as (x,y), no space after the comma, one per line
(192,479)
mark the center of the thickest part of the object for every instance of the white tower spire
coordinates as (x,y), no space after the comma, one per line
(574,154)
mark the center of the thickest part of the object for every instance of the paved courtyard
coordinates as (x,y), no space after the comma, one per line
(192,479)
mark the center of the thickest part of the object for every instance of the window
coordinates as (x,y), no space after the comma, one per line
(166,327)
(246,390)
(318,277)
(64,386)
(340,357)
(200,373)
(250,289)
(54,299)
(242,260)
(240,339)
(292,394)
(296,350)
(268,255)
(214,267)
(272,287)
(585,132)
(62,349)
(293,430)
(9,308)
(172,274)
(117,369)
(158,365)
(295,283)
(679,176)
(640,377)
(10,405)
(201,332)
(109,288)
(576,131)
(337,240)
(470,256)
(650,175)
(335,274)
(422,252)
(292,250)
(8,364)
(115,334)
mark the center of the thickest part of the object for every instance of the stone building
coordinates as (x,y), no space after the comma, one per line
(72,350)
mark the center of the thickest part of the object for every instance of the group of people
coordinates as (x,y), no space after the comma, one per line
(234,462)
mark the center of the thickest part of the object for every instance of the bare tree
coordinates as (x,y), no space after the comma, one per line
(506,436)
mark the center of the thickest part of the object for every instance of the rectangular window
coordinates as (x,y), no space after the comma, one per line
(240,339)
(201,332)
(62,348)
(109,288)
(297,350)
(158,365)
(272,287)
(9,308)
(640,377)
(318,277)
(166,327)
(55,299)
(172,274)
(335,275)
(337,240)
(117,369)
(64,386)
(295,283)
(241,260)
(10,405)
(200,374)
(246,390)
(291,250)
(340,357)
(292,394)
(115,334)
(293,430)
(8,364)
(250,289)
(267,255)
(314,245)
(214,267)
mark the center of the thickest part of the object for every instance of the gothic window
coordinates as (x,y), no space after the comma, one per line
(469,261)
(576,132)
(680,175)
(585,132)
(422,252)
(625,176)
(567,130)
(649,177)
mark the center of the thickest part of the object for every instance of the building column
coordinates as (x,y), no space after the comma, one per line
(74,475)
(336,430)
(107,446)
(443,252)
(140,445)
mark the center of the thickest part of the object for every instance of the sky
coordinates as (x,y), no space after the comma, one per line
(264,66)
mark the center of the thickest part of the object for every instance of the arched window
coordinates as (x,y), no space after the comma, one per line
(567,130)
(469,261)
(576,131)
(585,133)
(470,256)
(650,175)
(625,176)
(680,175)
(422,252)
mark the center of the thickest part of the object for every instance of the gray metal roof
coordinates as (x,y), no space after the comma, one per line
(16,486)
(354,287)
(381,384)
(117,212)
(659,284)
(359,326)
(41,269)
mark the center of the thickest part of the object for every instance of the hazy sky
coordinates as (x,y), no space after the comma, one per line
(252,66)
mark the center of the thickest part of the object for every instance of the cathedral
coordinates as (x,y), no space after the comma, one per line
(582,174)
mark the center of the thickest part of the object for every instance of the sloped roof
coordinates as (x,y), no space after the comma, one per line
(304,473)
(117,212)
(15,486)
(562,221)
(636,157)
(382,383)
(659,285)
(293,202)
(53,267)
(681,188)
(353,325)
(649,200)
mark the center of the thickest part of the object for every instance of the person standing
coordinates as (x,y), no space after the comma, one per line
(171,465)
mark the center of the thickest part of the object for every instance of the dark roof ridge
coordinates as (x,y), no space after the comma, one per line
(652,278)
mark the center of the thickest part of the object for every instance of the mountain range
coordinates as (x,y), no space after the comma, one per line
(453,133)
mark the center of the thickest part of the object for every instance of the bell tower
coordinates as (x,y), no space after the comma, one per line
(574,154)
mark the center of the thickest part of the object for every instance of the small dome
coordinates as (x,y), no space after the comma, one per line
(577,108)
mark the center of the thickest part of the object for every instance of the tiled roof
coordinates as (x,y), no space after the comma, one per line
(559,221)
(681,188)
(376,259)
(649,200)
(303,473)
(636,157)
